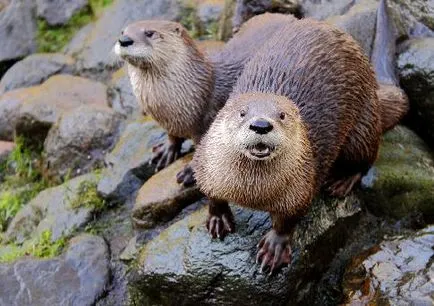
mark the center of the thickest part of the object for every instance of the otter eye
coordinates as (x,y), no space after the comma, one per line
(242,113)
(282,116)
(149,33)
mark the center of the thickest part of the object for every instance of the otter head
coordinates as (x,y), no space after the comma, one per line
(149,42)
(261,126)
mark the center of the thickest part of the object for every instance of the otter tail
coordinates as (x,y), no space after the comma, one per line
(393,100)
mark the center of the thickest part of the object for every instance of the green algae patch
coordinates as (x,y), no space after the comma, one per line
(43,247)
(87,196)
(402,181)
(55,38)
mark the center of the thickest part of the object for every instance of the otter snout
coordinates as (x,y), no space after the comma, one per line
(261,126)
(125,41)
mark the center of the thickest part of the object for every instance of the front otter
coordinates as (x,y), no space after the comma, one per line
(303,116)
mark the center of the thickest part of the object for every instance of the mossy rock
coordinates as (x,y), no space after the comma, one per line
(402,180)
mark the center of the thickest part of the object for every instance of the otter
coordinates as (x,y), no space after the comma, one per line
(180,87)
(304,116)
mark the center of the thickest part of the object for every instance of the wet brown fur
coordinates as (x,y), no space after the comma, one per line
(322,75)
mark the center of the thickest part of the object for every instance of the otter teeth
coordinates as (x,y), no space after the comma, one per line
(260,150)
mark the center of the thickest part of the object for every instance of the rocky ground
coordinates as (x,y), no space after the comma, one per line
(84,220)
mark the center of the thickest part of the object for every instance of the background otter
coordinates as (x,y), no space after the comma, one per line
(181,88)
(303,115)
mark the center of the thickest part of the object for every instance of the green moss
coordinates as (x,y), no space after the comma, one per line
(43,247)
(22,181)
(87,196)
(55,38)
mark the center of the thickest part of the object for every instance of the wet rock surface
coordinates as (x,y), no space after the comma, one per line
(324,9)
(56,209)
(128,164)
(41,106)
(58,12)
(78,142)
(402,180)
(35,69)
(161,197)
(17,30)
(416,70)
(184,263)
(77,278)
(399,271)
(95,51)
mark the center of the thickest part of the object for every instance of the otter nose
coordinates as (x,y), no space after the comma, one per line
(261,126)
(125,41)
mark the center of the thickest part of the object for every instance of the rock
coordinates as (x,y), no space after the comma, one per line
(185,265)
(41,106)
(359,22)
(323,9)
(10,104)
(412,16)
(127,103)
(128,164)
(35,69)
(58,12)
(152,208)
(402,180)
(416,71)
(77,278)
(209,11)
(246,9)
(210,46)
(56,209)
(95,51)
(17,31)
(78,142)
(399,271)
(5,148)
(225,25)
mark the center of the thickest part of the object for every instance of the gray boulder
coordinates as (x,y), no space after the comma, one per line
(399,271)
(126,103)
(58,12)
(60,210)
(41,106)
(95,51)
(360,23)
(35,69)
(10,104)
(414,18)
(79,277)
(78,142)
(416,71)
(184,264)
(17,30)
(128,164)
(323,9)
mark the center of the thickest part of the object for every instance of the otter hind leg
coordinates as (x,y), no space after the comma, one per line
(164,154)
(274,249)
(220,221)
(357,156)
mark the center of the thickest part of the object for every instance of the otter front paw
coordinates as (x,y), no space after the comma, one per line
(166,153)
(186,177)
(274,251)
(220,225)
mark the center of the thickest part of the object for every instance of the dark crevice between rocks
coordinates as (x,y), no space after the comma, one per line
(5,65)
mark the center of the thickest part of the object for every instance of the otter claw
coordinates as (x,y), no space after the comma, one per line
(217,227)
(186,177)
(274,251)
(166,153)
